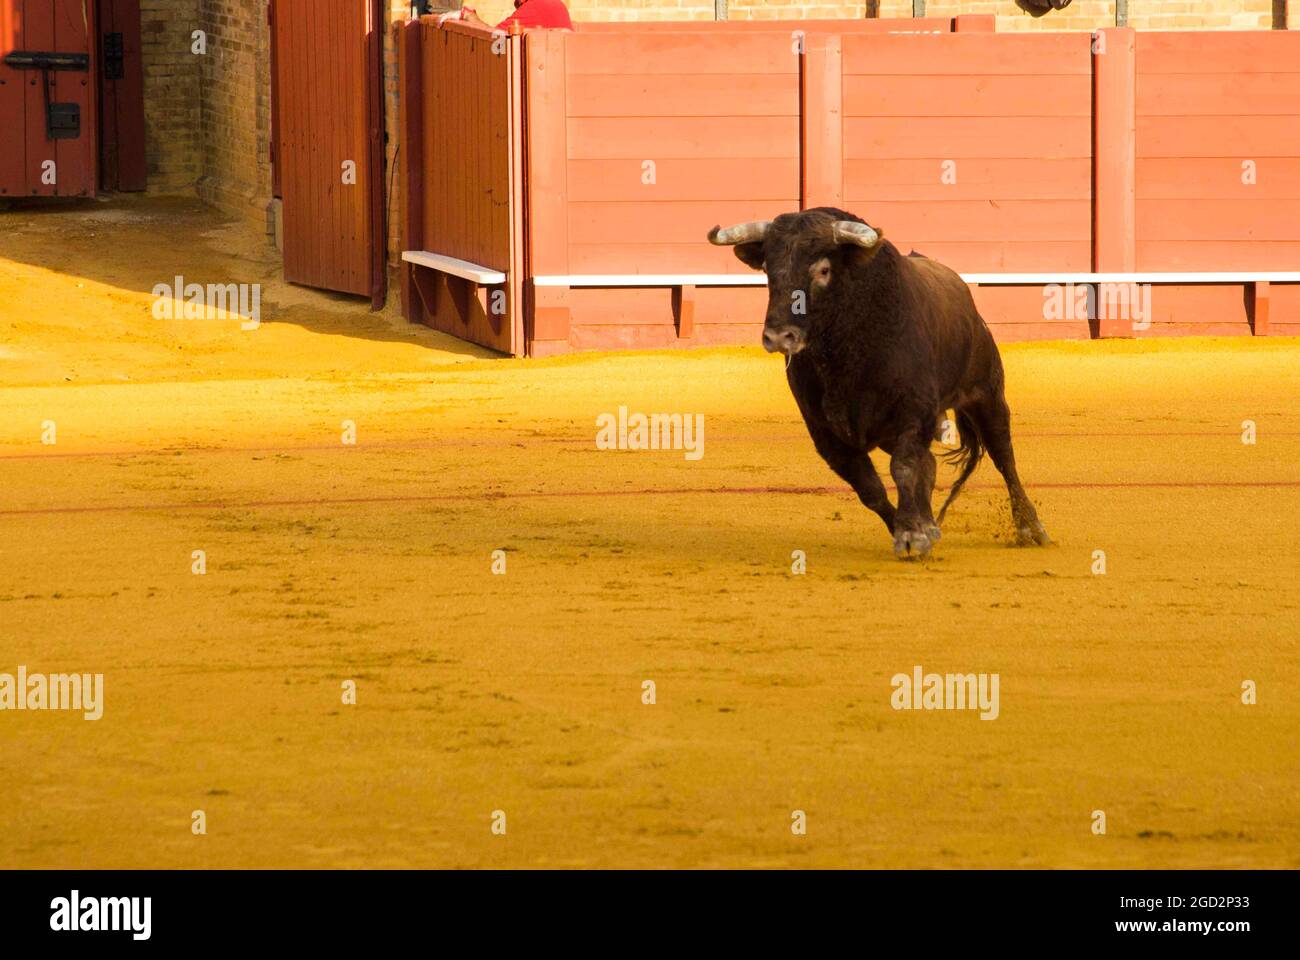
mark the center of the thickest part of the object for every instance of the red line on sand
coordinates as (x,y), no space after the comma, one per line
(645,491)
(435,444)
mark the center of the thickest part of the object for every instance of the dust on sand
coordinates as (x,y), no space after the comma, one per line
(523,692)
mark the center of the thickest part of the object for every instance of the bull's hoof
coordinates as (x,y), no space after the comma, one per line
(911,544)
(1033,536)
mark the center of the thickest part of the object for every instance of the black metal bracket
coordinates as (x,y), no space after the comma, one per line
(114,57)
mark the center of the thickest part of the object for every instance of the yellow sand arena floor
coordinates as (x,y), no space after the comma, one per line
(522,692)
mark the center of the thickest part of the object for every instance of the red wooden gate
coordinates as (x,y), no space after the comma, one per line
(461,159)
(47,110)
(121,97)
(329,151)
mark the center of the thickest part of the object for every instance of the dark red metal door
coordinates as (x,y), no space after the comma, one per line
(329,154)
(121,97)
(32,161)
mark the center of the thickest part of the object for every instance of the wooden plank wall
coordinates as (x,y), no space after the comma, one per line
(1210,106)
(974,149)
(664,135)
(41,25)
(902,25)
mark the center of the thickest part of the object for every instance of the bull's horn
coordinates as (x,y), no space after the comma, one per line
(850,231)
(740,233)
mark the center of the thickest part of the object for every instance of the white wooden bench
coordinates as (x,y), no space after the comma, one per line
(478,281)
(481,275)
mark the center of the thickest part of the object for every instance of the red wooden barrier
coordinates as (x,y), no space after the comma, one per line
(808,27)
(1018,158)
(32,164)
(1217,164)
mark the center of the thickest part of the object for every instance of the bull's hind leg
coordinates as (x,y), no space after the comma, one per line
(993,418)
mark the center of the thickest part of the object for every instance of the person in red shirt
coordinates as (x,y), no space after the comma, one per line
(528,13)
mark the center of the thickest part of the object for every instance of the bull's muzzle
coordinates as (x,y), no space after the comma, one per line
(786,340)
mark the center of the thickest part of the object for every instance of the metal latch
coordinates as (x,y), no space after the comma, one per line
(62,120)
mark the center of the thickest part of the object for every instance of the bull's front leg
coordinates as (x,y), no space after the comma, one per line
(925,494)
(857,470)
(908,468)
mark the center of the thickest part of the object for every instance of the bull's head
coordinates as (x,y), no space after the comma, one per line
(804,255)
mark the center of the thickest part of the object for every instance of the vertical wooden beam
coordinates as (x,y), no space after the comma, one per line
(547,181)
(1259,309)
(276,171)
(376,210)
(1114,157)
(821,123)
(411,161)
(684,310)
(518,268)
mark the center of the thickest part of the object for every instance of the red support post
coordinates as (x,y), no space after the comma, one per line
(821,123)
(411,161)
(684,310)
(548,186)
(1259,308)
(974,23)
(1114,239)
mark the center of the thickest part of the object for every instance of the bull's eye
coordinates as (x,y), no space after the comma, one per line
(821,273)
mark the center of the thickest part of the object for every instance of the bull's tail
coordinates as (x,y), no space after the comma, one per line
(968,455)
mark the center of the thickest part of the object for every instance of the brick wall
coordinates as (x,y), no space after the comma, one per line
(1194,15)
(171,94)
(235,108)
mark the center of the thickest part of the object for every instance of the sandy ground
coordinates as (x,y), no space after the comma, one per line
(522,692)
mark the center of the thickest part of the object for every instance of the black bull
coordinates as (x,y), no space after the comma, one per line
(878,347)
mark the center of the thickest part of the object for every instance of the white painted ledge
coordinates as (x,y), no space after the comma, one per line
(457,268)
(991,279)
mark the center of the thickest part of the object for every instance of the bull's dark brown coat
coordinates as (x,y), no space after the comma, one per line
(879,346)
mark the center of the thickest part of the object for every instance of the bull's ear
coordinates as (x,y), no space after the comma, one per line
(750,254)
